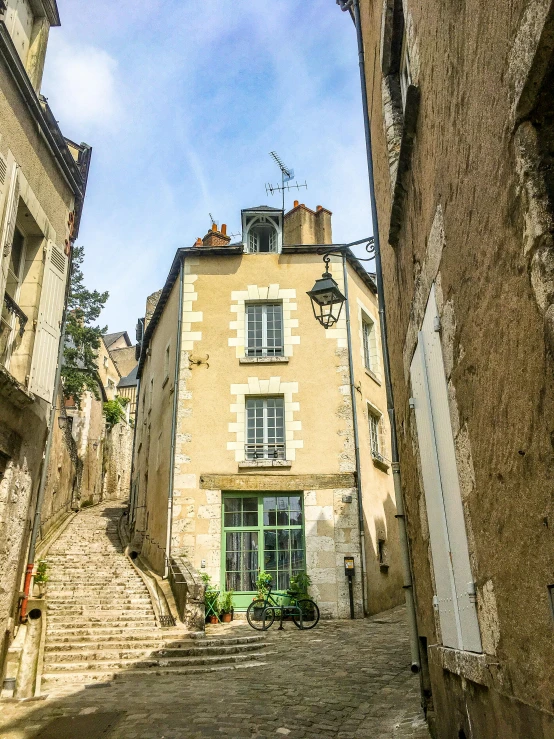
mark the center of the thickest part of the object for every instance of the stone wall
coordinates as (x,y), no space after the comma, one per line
(475,222)
(118,450)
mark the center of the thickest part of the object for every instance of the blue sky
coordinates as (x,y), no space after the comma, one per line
(182,101)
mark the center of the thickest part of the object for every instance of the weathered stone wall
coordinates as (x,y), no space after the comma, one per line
(475,221)
(118,450)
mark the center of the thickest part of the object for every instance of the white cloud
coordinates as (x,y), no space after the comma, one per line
(80,83)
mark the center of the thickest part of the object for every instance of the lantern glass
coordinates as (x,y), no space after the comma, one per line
(327,300)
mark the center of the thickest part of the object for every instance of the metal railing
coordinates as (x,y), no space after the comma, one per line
(274,450)
(12,307)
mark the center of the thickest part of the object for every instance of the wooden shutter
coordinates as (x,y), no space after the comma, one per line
(52,296)
(273,241)
(451,564)
(11,198)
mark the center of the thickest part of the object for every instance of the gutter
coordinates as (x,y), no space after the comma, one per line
(395,463)
(174,422)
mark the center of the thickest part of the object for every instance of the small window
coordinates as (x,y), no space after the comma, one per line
(262,238)
(10,308)
(264,330)
(404,71)
(265,428)
(166,363)
(105,362)
(375,441)
(368,341)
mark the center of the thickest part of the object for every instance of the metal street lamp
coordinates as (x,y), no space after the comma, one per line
(327,299)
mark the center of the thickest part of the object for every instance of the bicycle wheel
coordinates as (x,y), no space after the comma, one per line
(254,614)
(310,614)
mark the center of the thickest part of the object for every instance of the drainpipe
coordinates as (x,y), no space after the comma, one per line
(46,459)
(356,436)
(133,508)
(395,465)
(174,421)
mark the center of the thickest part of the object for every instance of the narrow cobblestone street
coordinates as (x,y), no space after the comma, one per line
(346,680)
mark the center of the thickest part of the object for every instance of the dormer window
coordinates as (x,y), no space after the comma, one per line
(262,230)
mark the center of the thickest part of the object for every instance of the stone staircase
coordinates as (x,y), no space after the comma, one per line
(101,624)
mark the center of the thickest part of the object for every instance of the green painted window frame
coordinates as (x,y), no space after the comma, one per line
(242,599)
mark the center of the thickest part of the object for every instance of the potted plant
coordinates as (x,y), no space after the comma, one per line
(226,605)
(41,576)
(211,600)
(298,589)
(263,583)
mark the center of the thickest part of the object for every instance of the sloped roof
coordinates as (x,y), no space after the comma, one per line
(110,339)
(130,380)
(262,208)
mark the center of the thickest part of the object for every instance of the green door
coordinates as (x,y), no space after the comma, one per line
(261,532)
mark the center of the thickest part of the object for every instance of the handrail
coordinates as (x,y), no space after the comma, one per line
(12,307)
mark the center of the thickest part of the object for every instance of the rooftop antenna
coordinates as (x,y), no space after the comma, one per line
(214,222)
(287,175)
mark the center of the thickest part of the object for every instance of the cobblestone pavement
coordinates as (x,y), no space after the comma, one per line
(343,680)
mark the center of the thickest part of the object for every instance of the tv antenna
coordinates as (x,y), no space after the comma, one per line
(287,175)
(214,222)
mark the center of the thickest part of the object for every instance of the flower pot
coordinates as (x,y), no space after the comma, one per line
(212,619)
(258,614)
(226,618)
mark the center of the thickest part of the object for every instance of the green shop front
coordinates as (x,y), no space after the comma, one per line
(261,532)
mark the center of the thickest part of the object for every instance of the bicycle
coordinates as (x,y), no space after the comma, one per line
(261,612)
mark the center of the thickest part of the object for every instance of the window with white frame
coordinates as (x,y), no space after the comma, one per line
(368,341)
(375,444)
(166,363)
(265,428)
(264,330)
(262,238)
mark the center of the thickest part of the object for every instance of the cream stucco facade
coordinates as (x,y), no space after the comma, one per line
(205,457)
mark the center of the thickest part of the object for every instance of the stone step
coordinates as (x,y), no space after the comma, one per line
(57,683)
(56,595)
(99,612)
(117,641)
(70,668)
(126,652)
(112,621)
(103,633)
(126,603)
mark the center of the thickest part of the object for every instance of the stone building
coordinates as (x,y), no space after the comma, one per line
(461,114)
(42,186)
(245,451)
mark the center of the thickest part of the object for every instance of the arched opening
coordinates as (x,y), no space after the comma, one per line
(262,238)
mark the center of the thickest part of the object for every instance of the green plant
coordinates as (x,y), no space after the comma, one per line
(87,503)
(83,338)
(41,575)
(114,410)
(226,602)
(263,583)
(299,584)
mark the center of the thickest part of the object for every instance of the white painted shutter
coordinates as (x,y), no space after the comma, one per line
(253,243)
(273,240)
(442,489)
(45,353)
(11,198)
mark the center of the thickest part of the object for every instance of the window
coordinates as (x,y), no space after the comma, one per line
(10,309)
(265,428)
(368,340)
(404,71)
(166,363)
(261,532)
(105,362)
(374,441)
(264,330)
(262,238)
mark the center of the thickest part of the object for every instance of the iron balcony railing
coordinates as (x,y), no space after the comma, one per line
(265,451)
(12,307)
(264,351)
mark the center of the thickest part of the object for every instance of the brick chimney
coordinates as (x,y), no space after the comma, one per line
(215,237)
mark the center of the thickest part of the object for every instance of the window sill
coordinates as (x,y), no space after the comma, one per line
(383,466)
(473,666)
(263,360)
(373,376)
(255,463)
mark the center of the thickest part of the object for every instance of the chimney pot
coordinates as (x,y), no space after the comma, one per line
(214,227)
(319,207)
(296,203)
(224,229)
(198,242)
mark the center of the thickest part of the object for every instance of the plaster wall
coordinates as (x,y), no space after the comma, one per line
(467,224)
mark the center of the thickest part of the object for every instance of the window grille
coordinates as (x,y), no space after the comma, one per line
(264,330)
(265,428)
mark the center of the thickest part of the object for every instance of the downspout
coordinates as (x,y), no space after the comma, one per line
(353,400)
(174,421)
(46,459)
(395,465)
(133,508)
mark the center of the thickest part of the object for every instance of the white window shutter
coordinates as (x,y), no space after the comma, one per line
(442,487)
(273,240)
(9,220)
(45,353)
